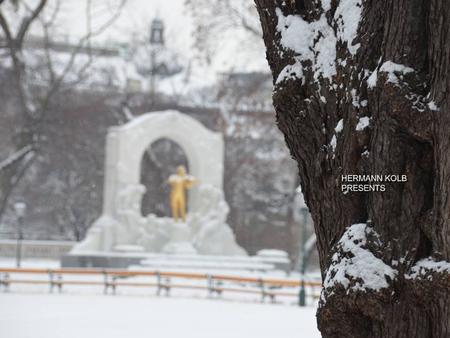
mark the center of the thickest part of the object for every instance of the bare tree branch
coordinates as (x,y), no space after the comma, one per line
(90,34)
(5,27)
(27,22)
(34,109)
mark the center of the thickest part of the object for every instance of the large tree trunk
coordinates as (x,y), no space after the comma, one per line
(363,87)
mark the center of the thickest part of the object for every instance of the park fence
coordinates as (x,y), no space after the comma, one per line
(163,282)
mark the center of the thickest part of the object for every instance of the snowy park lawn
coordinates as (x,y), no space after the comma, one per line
(97,316)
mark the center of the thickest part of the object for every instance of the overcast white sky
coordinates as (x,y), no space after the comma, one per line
(136,17)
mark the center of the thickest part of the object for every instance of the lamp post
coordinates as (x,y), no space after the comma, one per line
(20,208)
(302,258)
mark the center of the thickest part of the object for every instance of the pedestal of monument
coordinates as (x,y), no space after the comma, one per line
(180,240)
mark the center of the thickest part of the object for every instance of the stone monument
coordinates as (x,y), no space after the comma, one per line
(123,229)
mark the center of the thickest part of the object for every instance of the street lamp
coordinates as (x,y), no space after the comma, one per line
(20,208)
(303,256)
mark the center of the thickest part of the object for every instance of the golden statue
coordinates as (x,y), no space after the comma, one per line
(179,183)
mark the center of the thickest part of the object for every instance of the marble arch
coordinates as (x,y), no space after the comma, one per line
(126,146)
(122,226)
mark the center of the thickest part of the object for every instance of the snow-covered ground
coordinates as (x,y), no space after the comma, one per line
(29,311)
(96,316)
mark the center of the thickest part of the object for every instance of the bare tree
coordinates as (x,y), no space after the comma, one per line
(245,114)
(213,18)
(34,98)
(362,87)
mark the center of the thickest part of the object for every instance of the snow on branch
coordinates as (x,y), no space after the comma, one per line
(363,123)
(394,73)
(428,267)
(354,266)
(15,157)
(347,17)
(311,41)
(316,41)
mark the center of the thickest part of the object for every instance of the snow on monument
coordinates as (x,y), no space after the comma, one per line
(122,227)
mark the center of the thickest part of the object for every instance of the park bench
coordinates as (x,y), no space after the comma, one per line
(111,279)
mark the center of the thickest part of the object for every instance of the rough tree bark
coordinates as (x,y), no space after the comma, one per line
(381,106)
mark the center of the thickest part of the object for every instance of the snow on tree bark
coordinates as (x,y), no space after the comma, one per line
(361,87)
